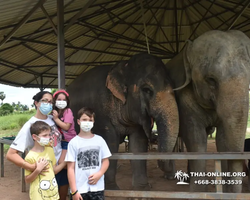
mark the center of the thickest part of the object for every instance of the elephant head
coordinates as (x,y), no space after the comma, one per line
(217,66)
(140,84)
(211,80)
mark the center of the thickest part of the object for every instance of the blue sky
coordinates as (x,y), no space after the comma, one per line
(15,94)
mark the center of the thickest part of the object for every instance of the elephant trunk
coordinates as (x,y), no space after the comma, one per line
(167,121)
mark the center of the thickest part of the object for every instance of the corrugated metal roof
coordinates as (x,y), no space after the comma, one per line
(106,32)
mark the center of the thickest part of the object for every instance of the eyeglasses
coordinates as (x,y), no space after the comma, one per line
(46,101)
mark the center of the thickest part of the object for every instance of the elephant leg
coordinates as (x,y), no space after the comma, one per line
(224,143)
(138,142)
(169,169)
(113,143)
(196,141)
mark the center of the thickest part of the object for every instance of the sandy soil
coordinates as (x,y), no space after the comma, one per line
(10,184)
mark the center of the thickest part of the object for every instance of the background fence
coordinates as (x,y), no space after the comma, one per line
(181,156)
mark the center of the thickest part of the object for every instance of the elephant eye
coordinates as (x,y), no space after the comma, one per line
(211,82)
(147,90)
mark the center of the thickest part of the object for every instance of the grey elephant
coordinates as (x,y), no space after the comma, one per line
(125,98)
(211,79)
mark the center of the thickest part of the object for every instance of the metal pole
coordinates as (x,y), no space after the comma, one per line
(41,85)
(60,44)
(2,160)
(218,178)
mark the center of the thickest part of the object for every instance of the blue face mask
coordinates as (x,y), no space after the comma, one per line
(45,108)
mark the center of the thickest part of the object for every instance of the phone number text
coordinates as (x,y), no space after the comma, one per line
(218,182)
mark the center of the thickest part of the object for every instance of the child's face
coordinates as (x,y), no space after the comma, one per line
(85,117)
(61,97)
(44,134)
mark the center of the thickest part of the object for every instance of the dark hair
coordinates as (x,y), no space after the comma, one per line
(87,111)
(38,127)
(39,96)
(60,112)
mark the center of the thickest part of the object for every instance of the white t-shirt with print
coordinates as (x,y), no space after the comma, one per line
(25,141)
(87,155)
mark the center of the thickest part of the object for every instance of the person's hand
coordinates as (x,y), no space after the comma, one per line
(55,114)
(77,196)
(94,178)
(41,164)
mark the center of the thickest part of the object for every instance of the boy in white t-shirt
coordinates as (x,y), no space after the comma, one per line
(87,160)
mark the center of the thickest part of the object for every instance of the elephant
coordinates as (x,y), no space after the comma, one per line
(211,82)
(126,98)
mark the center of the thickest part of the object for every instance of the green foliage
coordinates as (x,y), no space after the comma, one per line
(2,96)
(53,90)
(19,107)
(11,126)
(14,121)
(22,120)
(6,109)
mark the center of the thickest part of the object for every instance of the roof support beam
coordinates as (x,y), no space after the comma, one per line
(38,52)
(201,20)
(68,46)
(78,15)
(22,22)
(144,26)
(60,45)
(49,19)
(159,26)
(11,65)
(239,15)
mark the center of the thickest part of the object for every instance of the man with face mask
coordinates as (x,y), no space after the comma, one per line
(87,160)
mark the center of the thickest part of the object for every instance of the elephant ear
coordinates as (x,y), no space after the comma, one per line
(186,63)
(115,81)
(178,68)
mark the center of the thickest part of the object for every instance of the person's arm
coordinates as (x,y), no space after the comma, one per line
(94,178)
(59,167)
(72,180)
(13,156)
(63,125)
(105,165)
(41,164)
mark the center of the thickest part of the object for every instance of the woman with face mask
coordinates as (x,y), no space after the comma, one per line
(43,103)
(64,119)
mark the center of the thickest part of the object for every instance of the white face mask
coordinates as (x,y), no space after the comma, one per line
(86,126)
(61,104)
(43,141)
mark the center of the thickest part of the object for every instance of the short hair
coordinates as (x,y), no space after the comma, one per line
(38,127)
(87,111)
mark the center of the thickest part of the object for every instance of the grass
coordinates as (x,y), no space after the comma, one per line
(11,124)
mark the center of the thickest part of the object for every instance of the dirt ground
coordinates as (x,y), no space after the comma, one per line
(10,184)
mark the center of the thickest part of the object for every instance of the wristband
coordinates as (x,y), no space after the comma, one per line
(72,194)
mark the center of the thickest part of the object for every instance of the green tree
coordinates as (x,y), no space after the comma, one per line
(6,109)
(25,107)
(53,90)
(2,96)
